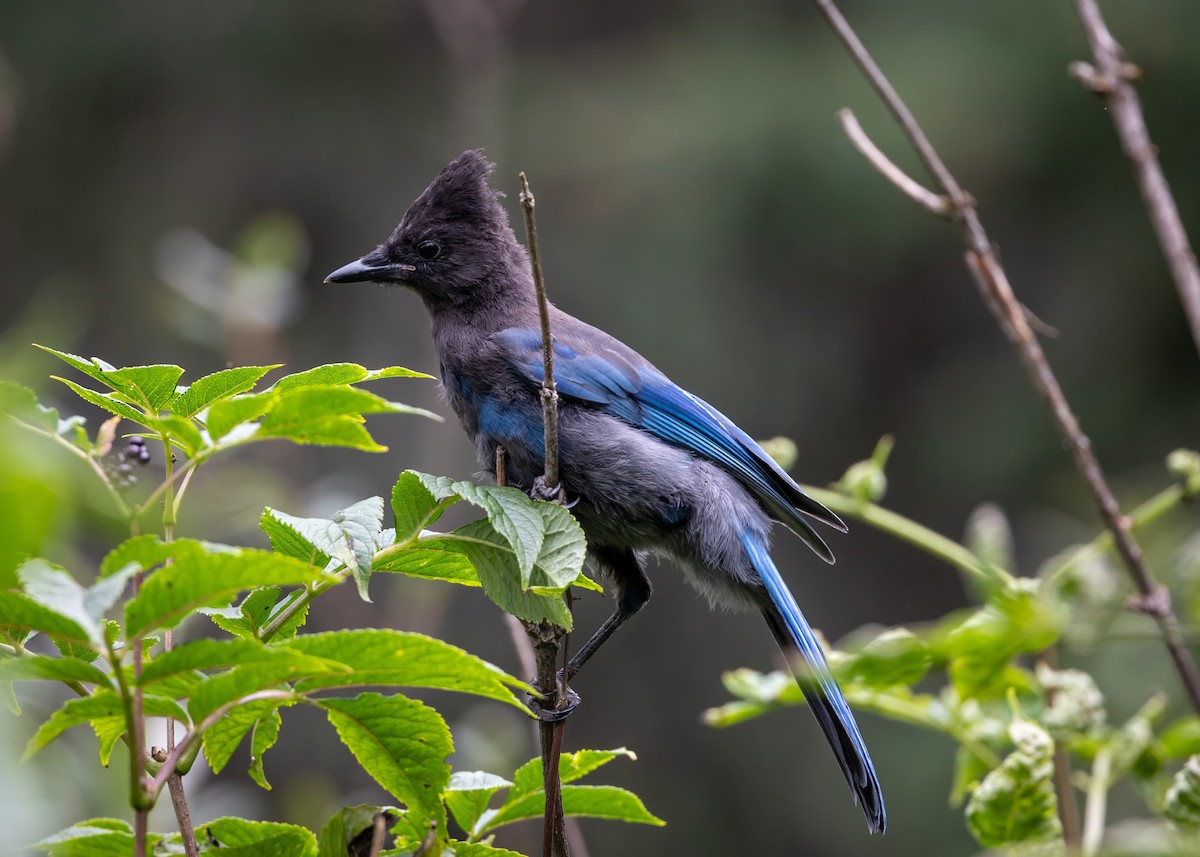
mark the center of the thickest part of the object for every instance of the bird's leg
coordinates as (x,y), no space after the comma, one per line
(542,491)
(633,591)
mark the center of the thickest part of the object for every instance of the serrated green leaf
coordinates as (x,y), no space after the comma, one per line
(97,837)
(1181,738)
(403,659)
(106,401)
(1017,618)
(609,802)
(250,619)
(198,580)
(895,656)
(480,849)
(103,703)
(262,739)
(232,687)
(145,552)
(222,738)
(182,433)
(430,559)
(349,536)
(26,667)
(236,837)
(1017,802)
(189,658)
(323,415)
(216,387)
(224,416)
(337,374)
(468,795)
(510,511)
(152,387)
(95,368)
(414,506)
(401,743)
(571,767)
(55,589)
(496,566)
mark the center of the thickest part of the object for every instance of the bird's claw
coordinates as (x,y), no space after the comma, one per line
(542,491)
(554,715)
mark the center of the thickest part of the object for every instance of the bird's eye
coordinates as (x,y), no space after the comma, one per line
(429,250)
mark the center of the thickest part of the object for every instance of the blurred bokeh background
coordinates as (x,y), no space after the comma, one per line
(176,179)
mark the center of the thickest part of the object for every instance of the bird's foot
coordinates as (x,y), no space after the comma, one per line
(560,711)
(542,491)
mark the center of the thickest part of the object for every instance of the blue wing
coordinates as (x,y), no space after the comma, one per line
(610,377)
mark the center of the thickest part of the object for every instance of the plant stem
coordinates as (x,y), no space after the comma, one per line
(1097,803)
(287,613)
(907,530)
(1113,79)
(549,392)
(91,462)
(998,295)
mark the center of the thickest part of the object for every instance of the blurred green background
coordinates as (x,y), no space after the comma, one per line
(176,179)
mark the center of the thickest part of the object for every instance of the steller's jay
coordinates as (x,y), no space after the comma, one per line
(652,468)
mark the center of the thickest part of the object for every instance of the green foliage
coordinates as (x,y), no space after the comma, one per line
(1016,803)
(970,676)
(221,692)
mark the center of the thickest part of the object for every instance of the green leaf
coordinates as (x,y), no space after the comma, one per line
(1017,803)
(1075,704)
(403,659)
(494,562)
(345,827)
(20,614)
(1016,618)
(1182,803)
(233,687)
(338,374)
(437,558)
(205,579)
(106,401)
(263,738)
(401,743)
(571,767)
(1181,739)
(896,656)
(101,704)
(414,506)
(226,415)
(251,618)
(236,837)
(329,416)
(24,667)
(186,660)
(480,849)
(96,837)
(223,737)
(21,403)
(182,433)
(469,794)
(145,552)
(608,802)
(217,387)
(95,368)
(150,386)
(349,536)
(53,588)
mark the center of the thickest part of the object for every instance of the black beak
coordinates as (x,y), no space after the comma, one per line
(362,271)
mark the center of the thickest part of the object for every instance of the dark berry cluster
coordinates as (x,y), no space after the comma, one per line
(120,464)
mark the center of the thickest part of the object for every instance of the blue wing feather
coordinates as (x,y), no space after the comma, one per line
(619,383)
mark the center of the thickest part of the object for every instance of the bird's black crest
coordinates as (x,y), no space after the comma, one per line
(459,195)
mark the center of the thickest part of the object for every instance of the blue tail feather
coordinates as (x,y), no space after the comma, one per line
(824,697)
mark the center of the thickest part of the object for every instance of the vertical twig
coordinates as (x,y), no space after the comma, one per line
(546,639)
(993,283)
(549,392)
(1112,78)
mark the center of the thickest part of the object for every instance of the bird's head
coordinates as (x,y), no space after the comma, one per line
(449,242)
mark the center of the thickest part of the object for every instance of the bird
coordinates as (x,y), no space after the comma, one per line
(651,469)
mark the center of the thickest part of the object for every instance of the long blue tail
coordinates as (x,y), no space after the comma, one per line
(824,697)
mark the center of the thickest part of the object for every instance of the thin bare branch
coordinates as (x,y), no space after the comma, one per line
(997,293)
(1112,77)
(549,392)
(910,187)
